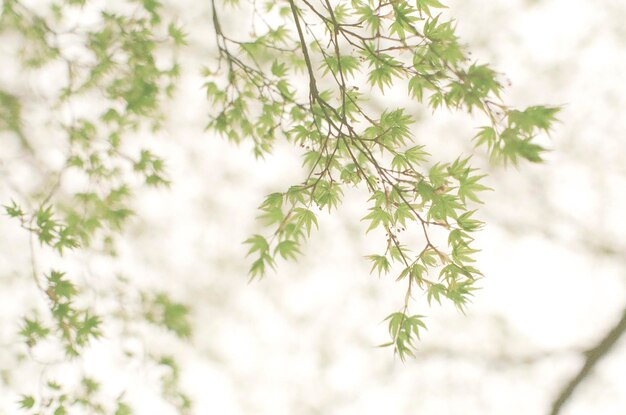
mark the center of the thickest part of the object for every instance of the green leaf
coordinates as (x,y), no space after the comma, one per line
(279,69)
(439,32)
(14,210)
(312,158)
(469,186)
(486,136)
(123,409)
(416,154)
(438,175)
(417,273)
(515,146)
(444,207)
(27,402)
(370,17)
(404,212)
(271,216)
(349,65)
(466,222)
(400,162)
(429,257)
(162,310)
(537,117)
(287,249)
(306,218)
(435,291)
(272,201)
(377,216)
(403,20)
(177,35)
(88,328)
(327,194)
(380,263)
(483,81)
(60,286)
(296,194)
(258,243)
(462,253)
(258,268)
(417,84)
(404,330)
(424,6)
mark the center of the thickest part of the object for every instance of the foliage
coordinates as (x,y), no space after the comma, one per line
(128,65)
(258,93)
(302,75)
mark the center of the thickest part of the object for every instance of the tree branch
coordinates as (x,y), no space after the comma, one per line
(305,51)
(593,356)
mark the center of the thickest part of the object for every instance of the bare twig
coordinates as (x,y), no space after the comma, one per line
(593,356)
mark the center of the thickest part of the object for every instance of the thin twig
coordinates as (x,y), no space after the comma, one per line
(593,356)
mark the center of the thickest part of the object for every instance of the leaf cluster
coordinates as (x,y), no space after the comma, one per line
(391,44)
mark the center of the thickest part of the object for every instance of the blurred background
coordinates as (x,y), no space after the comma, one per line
(303,340)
